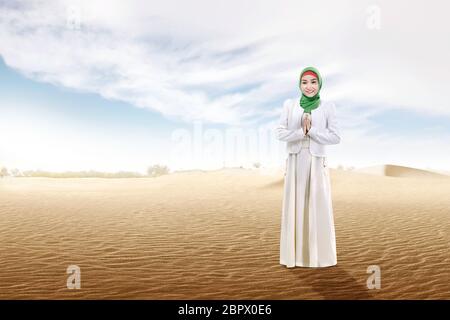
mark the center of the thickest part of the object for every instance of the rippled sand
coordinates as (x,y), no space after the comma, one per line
(215,235)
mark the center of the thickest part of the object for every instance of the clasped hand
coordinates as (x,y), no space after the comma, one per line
(306,125)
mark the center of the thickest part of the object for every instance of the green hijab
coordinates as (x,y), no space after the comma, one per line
(310,103)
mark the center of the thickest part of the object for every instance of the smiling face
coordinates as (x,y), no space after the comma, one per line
(309,85)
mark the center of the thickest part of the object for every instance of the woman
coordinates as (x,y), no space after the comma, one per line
(308,124)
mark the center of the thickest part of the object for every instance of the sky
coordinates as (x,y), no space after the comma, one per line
(123,85)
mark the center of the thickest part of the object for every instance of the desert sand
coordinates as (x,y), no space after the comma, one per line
(398,171)
(215,235)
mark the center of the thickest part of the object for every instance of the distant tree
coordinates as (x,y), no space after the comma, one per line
(82,174)
(15,172)
(157,170)
(3,172)
(256,165)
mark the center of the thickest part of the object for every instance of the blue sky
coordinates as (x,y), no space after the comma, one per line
(124,86)
(56,112)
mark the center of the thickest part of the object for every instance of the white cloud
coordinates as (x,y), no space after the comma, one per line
(170,56)
(235,62)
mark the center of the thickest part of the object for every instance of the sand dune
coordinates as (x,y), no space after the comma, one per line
(215,235)
(399,171)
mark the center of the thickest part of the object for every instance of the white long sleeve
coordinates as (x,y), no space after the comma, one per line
(329,135)
(283,133)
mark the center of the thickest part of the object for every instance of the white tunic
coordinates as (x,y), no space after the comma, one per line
(307,237)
